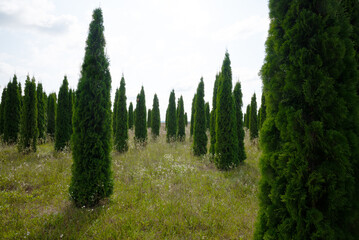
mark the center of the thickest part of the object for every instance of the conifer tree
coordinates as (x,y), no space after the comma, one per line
(28,126)
(171,118)
(181,133)
(12,112)
(237,94)
(253,125)
(63,127)
(130,116)
(262,115)
(208,115)
(51,114)
(149,118)
(192,114)
(40,113)
(121,137)
(72,98)
(114,112)
(92,134)
(2,111)
(213,117)
(226,148)
(156,118)
(248,114)
(199,127)
(185,119)
(140,119)
(244,120)
(310,137)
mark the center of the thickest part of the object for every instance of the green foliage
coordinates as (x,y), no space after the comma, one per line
(192,114)
(41,124)
(253,121)
(140,119)
(181,133)
(208,115)
(28,127)
(186,119)
(226,148)
(237,94)
(121,135)
(2,110)
(213,117)
(149,117)
(171,118)
(262,115)
(248,114)
(12,111)
(72,98)
(199,126)
(51,114)
(156,118)
(130,116)
(92,132)
(63,117)
(310,136)
(114,112)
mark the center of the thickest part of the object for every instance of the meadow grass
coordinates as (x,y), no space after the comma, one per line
(161,191)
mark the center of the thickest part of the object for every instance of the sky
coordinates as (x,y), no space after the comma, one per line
(158,44)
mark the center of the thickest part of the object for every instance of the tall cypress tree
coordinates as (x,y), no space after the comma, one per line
(40,113)
(72,99)
(12,112)
(171,118)
(208,115)
(213,117)
(140,120)
(185,119)
(28,127)
(114,112)
(248,114)
(63,127)
(181,133)
(92,134)
(130,116)
(2,111)
(199,127)
(226,148)
(192,114)
(149,124)
(156,118)
(237,94)
(253,125)
(51,114)
(121,137)
(310,136)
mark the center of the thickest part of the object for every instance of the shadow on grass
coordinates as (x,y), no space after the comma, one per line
(70,223)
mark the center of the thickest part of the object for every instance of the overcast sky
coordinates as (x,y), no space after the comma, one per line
(160,44)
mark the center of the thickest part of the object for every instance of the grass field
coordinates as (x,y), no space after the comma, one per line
(161,191)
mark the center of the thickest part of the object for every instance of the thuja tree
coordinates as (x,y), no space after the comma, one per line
(121,136)
(12,112)
(140,119)
(156,118)
(310,136)
(226,149)
(91,140)
(181,133)
(208,115)
(130,116)
(171,118)
(114,112)
(262,115)
(28,126)
(2,111)
(186,119)
(41,124)
(63,115)
(192,115)
(149,124)
(253,125)
(248,114)
(237,94)
(51,114)
(213,117)
(199,128)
